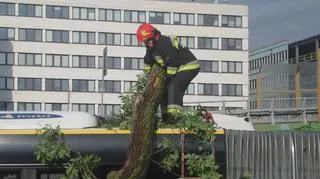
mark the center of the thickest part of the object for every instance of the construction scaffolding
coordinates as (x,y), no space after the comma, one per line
(280,81)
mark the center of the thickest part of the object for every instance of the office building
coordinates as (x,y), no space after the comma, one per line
(51,51)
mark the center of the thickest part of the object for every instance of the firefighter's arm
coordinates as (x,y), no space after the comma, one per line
(147,63)
(169,51)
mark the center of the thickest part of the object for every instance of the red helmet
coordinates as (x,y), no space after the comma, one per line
(144,32)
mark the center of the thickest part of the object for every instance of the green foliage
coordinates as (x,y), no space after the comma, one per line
(170,161)
(305,128)
(203,166)
(197,164)
(246,175)
(127,100)
(53,149)
(200,164)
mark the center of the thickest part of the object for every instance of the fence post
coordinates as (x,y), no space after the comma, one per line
(248,110)
(304,111)
(224,107)
(318,83)
(272,111)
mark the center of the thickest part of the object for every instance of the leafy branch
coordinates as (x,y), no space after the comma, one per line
(53,150)
(200,164)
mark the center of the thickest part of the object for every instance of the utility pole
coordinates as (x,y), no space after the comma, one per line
(104,73)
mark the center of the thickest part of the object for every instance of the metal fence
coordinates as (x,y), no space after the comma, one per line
(272,155)
(273,110)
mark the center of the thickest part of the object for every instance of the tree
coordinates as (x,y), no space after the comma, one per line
(138,115)
(139,107)
(143,125)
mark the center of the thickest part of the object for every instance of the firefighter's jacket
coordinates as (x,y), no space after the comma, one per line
(169,53)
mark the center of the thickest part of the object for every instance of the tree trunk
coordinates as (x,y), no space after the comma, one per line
(142,128)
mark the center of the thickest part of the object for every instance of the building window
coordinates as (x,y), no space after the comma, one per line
(109,38)
(29,59)
(83,13)
(7,9)
(183,19)
(131,40)
(110,86)
(60,12)
(231,67)
(129,85)
(57,107)
(134,16)
(84,37)
(231,90)
(6,58)
(6,106)
(32,84)
(30,35)
(7,33)
(159,17)
(25,106)
(30,10)
(55,60)
(110,15)
(110,109)
(231,44)
(207,43)
(208,20)
(190,90)
(6,83)
(186,41)
(83,61)
(89,108)
(133,63)
(83,85)
(208,89)
(57,84)
(209,66)
(59,36)
(231,21)
(112,62)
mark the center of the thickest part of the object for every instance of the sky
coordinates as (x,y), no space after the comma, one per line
(271,21)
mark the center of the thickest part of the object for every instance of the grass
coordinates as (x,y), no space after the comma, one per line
(287,127)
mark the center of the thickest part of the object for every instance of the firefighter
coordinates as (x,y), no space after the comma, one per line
(179,62)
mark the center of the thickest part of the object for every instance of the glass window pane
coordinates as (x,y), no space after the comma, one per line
(183,19)
(190,19)
(142,17)
(102,15)
(109,15)
(49,60)
(22,59)
(91,14)
(38,59)
(75,61)
(134,17)
(200,89)
(3,58)
(83,13)
(38,11)
(76,37)
(224,66)
(117,15)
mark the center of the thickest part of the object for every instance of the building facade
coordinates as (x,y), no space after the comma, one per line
(51,51)
(268,80)
(294,78)
(302,54)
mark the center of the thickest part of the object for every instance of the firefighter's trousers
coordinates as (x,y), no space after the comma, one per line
(174,91)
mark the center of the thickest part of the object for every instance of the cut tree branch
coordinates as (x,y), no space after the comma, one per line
(143,128)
